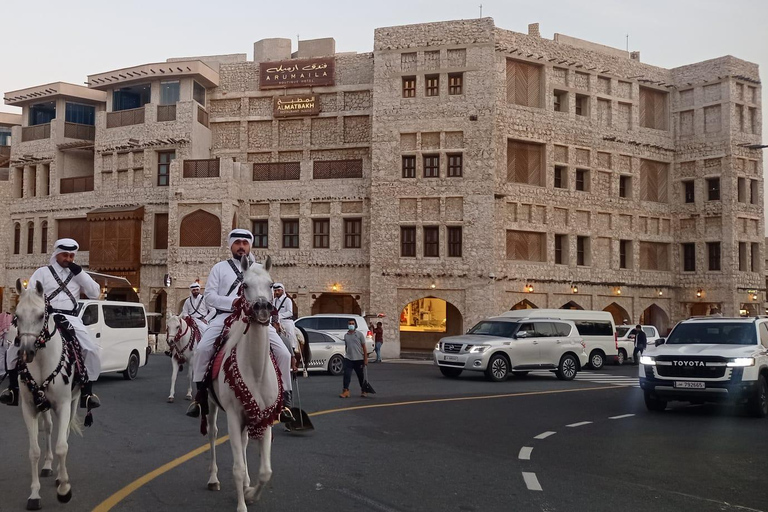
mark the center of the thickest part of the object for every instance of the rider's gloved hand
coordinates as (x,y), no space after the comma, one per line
(75,268)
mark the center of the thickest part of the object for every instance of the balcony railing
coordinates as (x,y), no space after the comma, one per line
(125,117)
(79,131)
(201,168)
(37,132)
(74,185)
(276,171)
(166,113)
(202,116)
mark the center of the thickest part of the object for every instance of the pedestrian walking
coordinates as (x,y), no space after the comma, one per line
(356,358)
(378,338)
(641,343)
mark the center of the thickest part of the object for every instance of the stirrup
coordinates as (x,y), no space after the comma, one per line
(90,402)
(286,416)
(10,397)
(193,411)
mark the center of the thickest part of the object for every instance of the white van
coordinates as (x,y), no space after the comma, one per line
(595,327)
(120,330)
(626,340)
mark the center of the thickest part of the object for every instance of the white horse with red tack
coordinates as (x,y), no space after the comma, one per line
(46,371)
(183,336)
(248,385)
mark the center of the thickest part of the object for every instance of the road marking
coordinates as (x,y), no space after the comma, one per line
(545,435)
(531,482)
(581,423)
(621,417)
(123,493)
(525,453)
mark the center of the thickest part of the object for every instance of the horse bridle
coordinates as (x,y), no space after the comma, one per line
(250,309)
(43,337)
(179,335)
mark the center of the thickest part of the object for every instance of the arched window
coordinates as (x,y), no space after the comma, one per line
(44,237)
(16,238)
(30,237)
(200,229)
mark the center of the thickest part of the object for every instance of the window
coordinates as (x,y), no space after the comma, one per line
(353,230)
(135,96)
(653,181)
(625,253)
(409,166)
(455,84)
(625,186)
(764,334)
(593,328)
(17,238)
(44,237)
(169,93)
(713,255)
(42,113)
(582,105)
(689,193)
(689,257)
(561,101)
(455,165)
(525,162)
(432,85)
(290,233)
(742,256)
(654,256)
(30,237)
(321,229)
(582,180)
(200,229)
(754,192)
(713,189)
(741,190)
(561,249)
(124,317)
(164,159)
(407,242)
(409,87)
(754,258)
(431,242)
(582,251)
(653,109)
(526,246)
(80,114)
(5,136)
(77,229)
(561,177)
(260,233)
(454,241)
(431,166)
(198,93)
(161,231)
(91,314)
(524,82)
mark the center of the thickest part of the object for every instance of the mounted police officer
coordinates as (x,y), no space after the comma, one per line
(196,308)
(63,281)
(221,289)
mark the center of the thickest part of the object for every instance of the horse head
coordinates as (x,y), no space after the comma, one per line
(31,320)
(173,327)
(257,289)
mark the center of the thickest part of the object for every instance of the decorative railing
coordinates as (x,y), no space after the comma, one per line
(330,169)
(166,113)
(276,171)
(125,117)
(201,168)
(79,131)
(37,132)
(75,185)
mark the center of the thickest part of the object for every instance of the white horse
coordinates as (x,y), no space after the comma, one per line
(41,350)
(182,340)
(252,366)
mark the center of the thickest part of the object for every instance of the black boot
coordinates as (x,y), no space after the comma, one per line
(286,416)
(200,404)
(11,395)
(87,399)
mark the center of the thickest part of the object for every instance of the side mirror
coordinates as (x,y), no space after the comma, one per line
(523,334)
(660,342)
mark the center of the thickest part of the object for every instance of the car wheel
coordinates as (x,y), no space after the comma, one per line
(567,368)
(518,375)
(498,368)
(336,365)
(596,360)
(654,404)
(451,373)
(621,358)
(132,369)
(758,404)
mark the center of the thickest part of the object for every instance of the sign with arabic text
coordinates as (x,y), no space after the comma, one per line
(298,105)
(297,73)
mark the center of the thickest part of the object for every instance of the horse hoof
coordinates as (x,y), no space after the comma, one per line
(250,495)
(65,498)
(34,504)
(214,486)
(45,473)
(170,399)
(188,397)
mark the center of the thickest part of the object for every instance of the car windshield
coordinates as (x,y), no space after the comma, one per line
(488,328)
(622,331)
(725,333)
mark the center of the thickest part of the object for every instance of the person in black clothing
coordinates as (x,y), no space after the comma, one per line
(641,343)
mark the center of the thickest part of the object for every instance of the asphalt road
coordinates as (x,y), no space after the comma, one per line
(422,443)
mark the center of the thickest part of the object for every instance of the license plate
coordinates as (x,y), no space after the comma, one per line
(690,385)
(451,358)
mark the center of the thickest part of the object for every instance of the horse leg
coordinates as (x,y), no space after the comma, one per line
(191,365)
(64,414)
(213,432)
(47,436)
(248,491)
(175,368)
(30,418)
(238,464)
(265,462)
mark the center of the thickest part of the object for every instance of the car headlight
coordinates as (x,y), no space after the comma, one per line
(437,346)
(479,349)
(741,362)
(648,360)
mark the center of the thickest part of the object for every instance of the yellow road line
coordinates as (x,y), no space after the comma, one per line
(123,493)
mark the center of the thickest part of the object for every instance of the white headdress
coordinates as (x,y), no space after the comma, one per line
(63,245)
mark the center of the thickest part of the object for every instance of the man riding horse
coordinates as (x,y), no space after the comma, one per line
(196,308)
(221,288)
(63,280)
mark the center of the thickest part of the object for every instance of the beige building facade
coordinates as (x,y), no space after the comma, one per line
(457,171)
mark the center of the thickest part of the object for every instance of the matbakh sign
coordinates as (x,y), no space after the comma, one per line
(297,73)
(298,105)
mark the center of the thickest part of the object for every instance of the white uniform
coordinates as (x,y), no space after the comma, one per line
(284,307)
(220,294)
(64,301)
(198,309)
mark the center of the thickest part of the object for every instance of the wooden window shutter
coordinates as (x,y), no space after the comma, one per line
(653,109)
(526,246)
(200,229)
(525,162)
(662,256)
(654,181)
(161,231)
(523,83)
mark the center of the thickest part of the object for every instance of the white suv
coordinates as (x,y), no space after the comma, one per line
(709,360)
(501,346)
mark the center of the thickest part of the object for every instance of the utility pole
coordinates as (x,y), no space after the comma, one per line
(481,10)
(627,42)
